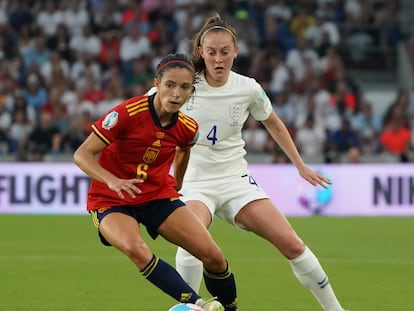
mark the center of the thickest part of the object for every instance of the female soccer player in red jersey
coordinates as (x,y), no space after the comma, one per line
(137,142)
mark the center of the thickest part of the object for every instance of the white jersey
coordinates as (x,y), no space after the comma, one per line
(221,113)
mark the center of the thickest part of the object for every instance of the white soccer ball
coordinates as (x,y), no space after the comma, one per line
(185,307)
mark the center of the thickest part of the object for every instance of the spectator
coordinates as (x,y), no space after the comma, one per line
(5,123)
(35,95)
(396,137)
(107,18)
(92,91)
(306,106)
(9,39)
(55,70)
(343,99)
(20,130)
(401,105)
(21,104)
(76,16)
(87,42)
(280,10)
(85,65)
(324,31)
(8,89)
(69,97)
(20,14)
(57,109)
(283,107)
(310,139)
(387,21)
(44,138)
(141,73)
(260,68)
(60,42)
(110,100)
(255,136)
(340,141)
(326,113)
(280,73)
(134,14)
(310,74)
(37,55)
(134,45)
(77,132)
(49,17)
(301,22)
(297,57)
(368,124)
(113,78)
(328,66)
(110,47)
(26,39)
(354,155)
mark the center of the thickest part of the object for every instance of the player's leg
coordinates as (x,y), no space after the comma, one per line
(263,218)
(184,229)
(122,231)
(190,268)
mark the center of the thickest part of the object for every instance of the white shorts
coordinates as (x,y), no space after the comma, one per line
(225,197)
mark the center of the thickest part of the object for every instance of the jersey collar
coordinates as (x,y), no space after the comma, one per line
(155,117)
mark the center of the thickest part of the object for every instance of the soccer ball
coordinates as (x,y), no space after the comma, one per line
(185,307)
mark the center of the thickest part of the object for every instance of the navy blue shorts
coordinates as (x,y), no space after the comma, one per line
(151,214)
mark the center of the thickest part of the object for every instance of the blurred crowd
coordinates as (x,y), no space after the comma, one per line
(63,64)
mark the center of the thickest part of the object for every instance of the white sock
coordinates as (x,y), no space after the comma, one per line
(309,272)
(190,268)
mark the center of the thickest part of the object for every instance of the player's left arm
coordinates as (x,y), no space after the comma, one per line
(281,135)
(182,155)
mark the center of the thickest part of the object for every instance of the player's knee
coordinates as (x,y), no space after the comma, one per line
(214,261)
(294,247)
(138,252)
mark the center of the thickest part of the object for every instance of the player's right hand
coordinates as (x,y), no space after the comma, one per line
(125,185)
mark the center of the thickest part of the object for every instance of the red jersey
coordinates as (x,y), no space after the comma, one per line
(396,141)
(139,147)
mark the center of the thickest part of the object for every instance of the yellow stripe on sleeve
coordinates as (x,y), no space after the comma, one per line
(101,136)
(187,121)
(137,107)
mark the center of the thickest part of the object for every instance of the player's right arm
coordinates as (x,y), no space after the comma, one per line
(85,158)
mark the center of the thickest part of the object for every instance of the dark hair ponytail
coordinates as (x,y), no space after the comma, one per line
(214,23)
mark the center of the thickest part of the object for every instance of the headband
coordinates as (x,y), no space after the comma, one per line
(187,64)
(217,27)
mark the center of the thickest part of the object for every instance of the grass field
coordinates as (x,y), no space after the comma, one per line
(55,263)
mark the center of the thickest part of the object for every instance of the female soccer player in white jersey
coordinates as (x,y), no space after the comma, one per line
(217,180)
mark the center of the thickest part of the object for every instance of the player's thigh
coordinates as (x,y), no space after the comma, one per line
(123,232)
(200,209)
(202,197)
(264,218)
(236,193)
(184,229)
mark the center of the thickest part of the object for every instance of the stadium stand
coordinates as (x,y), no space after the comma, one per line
(73,60)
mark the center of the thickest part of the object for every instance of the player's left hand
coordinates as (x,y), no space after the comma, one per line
(314,178)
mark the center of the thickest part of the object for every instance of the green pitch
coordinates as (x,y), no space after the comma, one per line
(56,263)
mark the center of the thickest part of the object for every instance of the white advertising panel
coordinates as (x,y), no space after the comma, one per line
(357,189)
